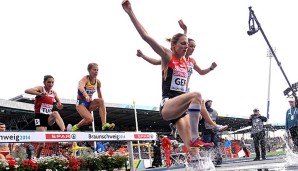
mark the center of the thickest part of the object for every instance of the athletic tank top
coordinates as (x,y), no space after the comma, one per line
(44,104)
(89,88)
(190,66)
(174,78)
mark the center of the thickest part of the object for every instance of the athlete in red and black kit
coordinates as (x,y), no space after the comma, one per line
(43,107)
(175,100)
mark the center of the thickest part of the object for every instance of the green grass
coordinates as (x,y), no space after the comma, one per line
(273,153)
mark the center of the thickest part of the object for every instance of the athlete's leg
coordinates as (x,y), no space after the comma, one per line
(85,114)
(55,117)
(99,103)
(175,107)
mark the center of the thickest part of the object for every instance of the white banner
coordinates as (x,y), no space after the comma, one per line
(20,137)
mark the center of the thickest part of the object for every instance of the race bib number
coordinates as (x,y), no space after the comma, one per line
(178,83)
(37,122)
(46,109)
(90,90)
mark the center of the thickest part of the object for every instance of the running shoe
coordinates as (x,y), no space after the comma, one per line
(199,143)
(75,128)
(175,133)
(108,126)
(220,128)
(174,130)
(69,127)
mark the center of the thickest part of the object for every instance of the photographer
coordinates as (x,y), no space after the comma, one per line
(292,123)
(258,133)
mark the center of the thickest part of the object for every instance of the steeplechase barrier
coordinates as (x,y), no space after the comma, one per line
(129,137)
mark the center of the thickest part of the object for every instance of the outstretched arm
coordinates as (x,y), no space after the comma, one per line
(148,59)
(164,53)
(35,91)
(204,71)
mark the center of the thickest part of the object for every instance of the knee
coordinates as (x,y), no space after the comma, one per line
(196,96)
(99,101)
(55,114)
(89,120)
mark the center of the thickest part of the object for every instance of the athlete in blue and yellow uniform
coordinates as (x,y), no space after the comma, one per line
(88,85)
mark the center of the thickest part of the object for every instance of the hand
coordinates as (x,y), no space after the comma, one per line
(140,53)
(42,94)
(126,6)
(87,98)
(182,26)
(213,65)
(59,106)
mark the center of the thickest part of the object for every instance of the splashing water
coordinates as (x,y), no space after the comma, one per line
(291,157)
(202,162)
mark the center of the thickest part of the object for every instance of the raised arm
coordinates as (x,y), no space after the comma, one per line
(148,59)
(163,52)
(204,71)
(183,26)
(35,91)
(81,88)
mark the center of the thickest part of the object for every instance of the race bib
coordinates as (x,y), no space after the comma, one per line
(178,83)
(46,109)
(90,90)
(37,122)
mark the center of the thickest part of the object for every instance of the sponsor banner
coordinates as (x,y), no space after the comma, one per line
(75,136)
(60,136)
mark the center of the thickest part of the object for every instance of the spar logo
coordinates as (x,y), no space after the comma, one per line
(142,136)
(60,136)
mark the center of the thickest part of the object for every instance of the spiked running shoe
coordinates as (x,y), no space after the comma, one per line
(220,128)
(75,128)
(173,130)
(200,143)
(108,126)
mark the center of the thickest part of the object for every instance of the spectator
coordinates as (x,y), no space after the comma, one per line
(244,148)
(167,146)
(123,150)
(157,162)
(258,133)
(30,151)
(292,123)
(228,147)
(4,148)
(209,135)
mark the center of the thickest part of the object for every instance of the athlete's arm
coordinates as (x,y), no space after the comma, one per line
(183,26)
(59,105)
(35,91)
(81,87)
(204,71)
(163,52)
(148,59)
